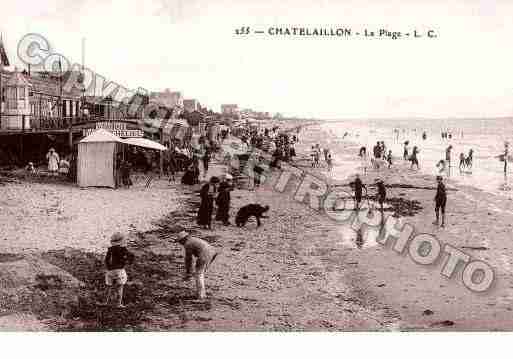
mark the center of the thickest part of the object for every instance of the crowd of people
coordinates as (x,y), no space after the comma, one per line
(215,194)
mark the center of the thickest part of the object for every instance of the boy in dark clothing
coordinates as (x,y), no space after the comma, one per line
(440,201)
(382,193)
(358,186)
(389,158)
(116,259)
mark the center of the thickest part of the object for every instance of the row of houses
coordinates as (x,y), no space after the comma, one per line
(37,111)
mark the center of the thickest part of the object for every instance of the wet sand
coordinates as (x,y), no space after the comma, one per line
(478,223)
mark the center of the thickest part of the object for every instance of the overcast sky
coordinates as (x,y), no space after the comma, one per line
(190,46)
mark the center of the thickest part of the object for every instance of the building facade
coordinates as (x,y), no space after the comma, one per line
(168,98)
(191,105)
(230,109)
(40,100)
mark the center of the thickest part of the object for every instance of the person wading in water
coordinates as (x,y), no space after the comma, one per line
(440,201)
(358,187)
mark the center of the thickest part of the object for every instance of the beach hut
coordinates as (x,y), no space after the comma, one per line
(96,159)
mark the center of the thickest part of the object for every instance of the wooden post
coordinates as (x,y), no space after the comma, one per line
(161,154)
(1,92)
(22,138)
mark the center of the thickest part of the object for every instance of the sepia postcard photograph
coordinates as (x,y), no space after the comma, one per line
(256,166)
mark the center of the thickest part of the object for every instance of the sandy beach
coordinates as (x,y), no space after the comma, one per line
(299,271)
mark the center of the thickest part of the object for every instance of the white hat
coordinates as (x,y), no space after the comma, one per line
(228,176)
(117,239)
(182,235)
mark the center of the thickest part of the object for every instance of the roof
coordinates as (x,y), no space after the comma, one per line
(4,60)
(17,79)
(101,135)
(44,85)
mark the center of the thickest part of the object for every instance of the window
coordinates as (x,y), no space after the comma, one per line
(21,93)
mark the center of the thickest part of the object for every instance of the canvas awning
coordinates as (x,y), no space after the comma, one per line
(143,142)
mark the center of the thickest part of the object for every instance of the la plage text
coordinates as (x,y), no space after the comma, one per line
(334,32)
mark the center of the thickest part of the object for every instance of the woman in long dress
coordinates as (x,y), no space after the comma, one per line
(191,174)
(53,161)
(223,201)
(207,194)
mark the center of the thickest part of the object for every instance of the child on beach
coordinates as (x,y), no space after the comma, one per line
(204,254)
(317,156)
(441,166)
(63,167)
(413,158)
(440,201)
(364,159)
(30,168)
(329,162)
(313,154)
(358,187)
(116,259)
(470,159)
(389,158)
(462,162)
(405,150)
(381,195)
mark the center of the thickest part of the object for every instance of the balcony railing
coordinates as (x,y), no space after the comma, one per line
(62,123)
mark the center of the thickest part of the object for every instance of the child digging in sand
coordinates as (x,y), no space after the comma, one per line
(115,278)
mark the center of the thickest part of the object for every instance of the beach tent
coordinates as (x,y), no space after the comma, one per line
(96,159)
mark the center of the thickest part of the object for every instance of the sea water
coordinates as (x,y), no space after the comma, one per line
(486,137)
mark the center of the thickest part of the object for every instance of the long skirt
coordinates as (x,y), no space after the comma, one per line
(205,212)
(223,212)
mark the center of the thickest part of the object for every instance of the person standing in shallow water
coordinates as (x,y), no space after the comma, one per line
(506,153)
(413,158)
(358,187)
(405,150)
(440,201)
(448,159)
(389,158)
(381,195)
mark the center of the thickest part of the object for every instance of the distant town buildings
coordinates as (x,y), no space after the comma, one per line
(230,109)
(168,98)
(191,105)
(249,113)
